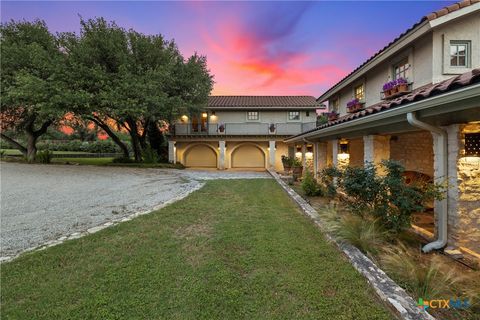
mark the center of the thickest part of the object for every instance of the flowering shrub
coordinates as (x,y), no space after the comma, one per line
(352,103)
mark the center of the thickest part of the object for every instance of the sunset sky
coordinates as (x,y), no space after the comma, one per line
(253,48)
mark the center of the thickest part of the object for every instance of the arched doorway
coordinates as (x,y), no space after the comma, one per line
(248,156)
(200,155)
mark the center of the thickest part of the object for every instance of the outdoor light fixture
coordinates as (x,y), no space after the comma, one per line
(343,146)
(472,144)
(213,113)
(309,153)
(184,118)
(204,115)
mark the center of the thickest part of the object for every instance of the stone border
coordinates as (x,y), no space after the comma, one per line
(105,225)
(392,294)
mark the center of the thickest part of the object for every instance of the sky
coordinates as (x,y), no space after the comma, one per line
(252,48)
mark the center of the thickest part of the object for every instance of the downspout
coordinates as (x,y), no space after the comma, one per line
(440,136)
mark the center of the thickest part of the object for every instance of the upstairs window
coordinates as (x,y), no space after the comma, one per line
(459,53)
(294,115)
(252,116)
(400,69)
(359,92)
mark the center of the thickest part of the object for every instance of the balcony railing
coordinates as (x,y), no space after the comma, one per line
(242,128)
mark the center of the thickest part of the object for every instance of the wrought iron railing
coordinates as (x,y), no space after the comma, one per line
(244,128)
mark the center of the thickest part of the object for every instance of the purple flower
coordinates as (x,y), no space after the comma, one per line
(401,81)
(352,103)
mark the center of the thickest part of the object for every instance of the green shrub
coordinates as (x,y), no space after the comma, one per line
(328,177)
(44,156)
(310,186)
(149,155)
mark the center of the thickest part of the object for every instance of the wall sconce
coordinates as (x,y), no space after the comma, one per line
(213,113)
(343,144)
(184,118)
(204,115)
(472,144)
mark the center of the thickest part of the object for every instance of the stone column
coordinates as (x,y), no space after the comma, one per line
(322,155)
(271,154)
(315,159)
(304,158)
(334,152)
(375,149)
(172,152)
(221,157)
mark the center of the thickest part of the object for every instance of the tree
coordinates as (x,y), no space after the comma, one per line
(32,83)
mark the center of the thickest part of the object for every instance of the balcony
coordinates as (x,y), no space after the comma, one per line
(245,128)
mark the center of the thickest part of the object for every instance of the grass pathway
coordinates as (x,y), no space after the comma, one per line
(235,249)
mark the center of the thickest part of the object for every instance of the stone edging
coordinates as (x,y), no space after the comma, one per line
(105,225)
(392,294)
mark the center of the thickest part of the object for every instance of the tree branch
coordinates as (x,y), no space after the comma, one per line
(43,128)
(22,149)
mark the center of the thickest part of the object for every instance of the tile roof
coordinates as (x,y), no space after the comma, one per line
(262,101)
(432,16)
(418,94)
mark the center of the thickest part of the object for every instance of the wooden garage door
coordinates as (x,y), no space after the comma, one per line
(201,156)
(248,156)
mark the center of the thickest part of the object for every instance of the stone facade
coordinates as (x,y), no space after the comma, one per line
(464,191)
(356,152)
(414,151)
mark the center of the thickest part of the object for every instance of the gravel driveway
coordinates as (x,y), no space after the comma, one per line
(40,203)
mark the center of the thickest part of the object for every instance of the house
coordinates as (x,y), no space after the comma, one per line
(429,120)
(241,131)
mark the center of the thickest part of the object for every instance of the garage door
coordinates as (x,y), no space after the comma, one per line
(248,157)
(201,156)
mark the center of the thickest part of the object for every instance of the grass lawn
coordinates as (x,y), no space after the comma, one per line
(234,249)
(17,152)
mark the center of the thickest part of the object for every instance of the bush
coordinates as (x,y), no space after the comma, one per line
(310,186)
(44,156)
(327,177)
(365,234)
(149,155)
(386,197)
(100,146)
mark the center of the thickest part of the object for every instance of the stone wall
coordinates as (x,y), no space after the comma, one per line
(356,152)
(466,228)
(414,151)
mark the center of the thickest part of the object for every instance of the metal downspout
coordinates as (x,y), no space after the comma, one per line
(441,151)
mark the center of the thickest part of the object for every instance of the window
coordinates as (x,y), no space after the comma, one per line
(294,115)
(335,104)
(307,113)
(252,115)
(459,53)
(400,69)
(360,92)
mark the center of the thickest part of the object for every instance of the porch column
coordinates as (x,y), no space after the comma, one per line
(172,152)
(221,158)
(315,159)
(321,155)
(271,147)
(334,152)
(304,158)
(375,149)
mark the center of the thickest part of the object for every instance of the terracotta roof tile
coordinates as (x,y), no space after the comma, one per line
(262,101)
(418,94)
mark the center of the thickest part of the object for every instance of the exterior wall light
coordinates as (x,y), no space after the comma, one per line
(204,115)
(184,118)
(472,144)
(343,144)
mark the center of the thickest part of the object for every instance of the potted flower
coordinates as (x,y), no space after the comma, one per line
(354,105)
(287,163)
(221,128)
(332,115)
(297,168)
(402,85)
(388,88)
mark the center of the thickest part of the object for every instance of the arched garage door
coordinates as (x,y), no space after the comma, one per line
(248,156)
(201,156)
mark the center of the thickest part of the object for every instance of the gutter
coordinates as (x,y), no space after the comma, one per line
(440,145)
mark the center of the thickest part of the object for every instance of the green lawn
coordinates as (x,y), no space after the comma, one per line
(84,161)
(17,152)
(236,249)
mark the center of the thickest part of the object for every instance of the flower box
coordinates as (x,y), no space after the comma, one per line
(354,106)
(332,116)
(395,88)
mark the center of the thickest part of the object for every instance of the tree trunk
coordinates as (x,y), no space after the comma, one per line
(17,145)
(137,150)
(111,134)
(31,146)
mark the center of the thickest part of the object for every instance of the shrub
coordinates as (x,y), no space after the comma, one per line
(421,275)
(149,155)
(328,177)
(44,156)
(310,186)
